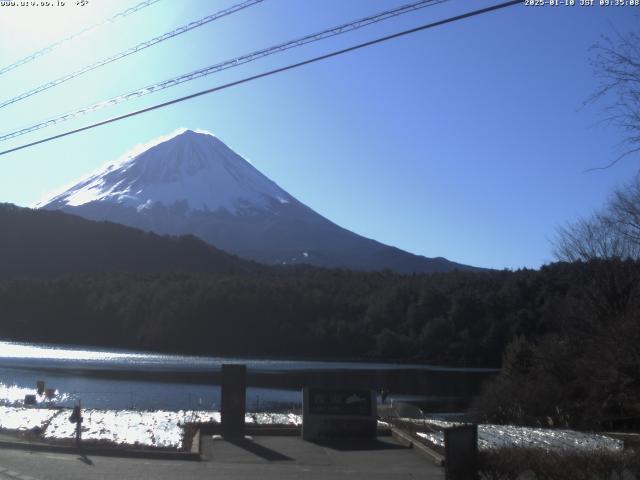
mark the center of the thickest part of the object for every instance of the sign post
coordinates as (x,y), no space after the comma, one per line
(76,417)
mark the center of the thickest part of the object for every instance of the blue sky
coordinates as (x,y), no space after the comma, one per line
(468,141)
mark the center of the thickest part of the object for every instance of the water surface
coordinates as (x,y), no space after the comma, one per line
(79,375)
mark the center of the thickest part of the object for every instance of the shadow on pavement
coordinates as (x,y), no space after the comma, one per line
(259,450)
(84,459)
(358,445)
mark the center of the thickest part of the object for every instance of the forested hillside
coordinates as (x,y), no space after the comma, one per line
(38,243)
(457,318)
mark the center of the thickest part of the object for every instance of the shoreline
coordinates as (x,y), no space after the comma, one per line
(429,383)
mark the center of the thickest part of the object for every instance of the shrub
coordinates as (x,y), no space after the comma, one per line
(510,463)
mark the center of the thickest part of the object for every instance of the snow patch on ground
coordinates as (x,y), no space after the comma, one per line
(506,436)
(266,418)
(129,427)
(22,419)
(152,429)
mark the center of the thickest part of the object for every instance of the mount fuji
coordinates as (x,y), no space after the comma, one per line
(190,182)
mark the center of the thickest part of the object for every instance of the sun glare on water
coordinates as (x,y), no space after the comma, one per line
(19,350)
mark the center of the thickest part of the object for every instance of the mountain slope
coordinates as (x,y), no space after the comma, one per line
(192,183)
(46,244)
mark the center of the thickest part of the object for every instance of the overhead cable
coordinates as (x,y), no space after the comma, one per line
(130,51)
(269,73)
(231,63)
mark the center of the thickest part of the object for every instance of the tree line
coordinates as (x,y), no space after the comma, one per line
(455,318)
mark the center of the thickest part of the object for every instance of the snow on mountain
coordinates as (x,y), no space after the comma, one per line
(190,182)
(187,166)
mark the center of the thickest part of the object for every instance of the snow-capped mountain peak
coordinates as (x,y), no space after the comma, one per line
(190,182)
(187,167)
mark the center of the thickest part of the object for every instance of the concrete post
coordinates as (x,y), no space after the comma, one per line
(461,452)
(233,392)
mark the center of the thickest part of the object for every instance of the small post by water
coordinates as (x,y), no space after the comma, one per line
(234,391)
(49,394)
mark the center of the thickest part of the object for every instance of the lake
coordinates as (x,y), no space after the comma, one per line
(123,379)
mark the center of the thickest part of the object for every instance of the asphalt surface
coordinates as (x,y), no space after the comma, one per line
(265,458)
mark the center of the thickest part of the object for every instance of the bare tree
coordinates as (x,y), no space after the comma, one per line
(616,64)
(624,211)
(590,238)
(613,232)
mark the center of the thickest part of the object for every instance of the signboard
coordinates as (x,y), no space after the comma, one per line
(331,413)
(323,401)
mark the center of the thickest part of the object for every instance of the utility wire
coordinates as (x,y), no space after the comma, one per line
(231,63)
(132,50)
(53,46)
(271,72)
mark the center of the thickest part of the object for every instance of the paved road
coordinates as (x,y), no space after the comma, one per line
(264,458)
(6,474)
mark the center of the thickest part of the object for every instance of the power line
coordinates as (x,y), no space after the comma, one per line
(231,63)
(271,72)
(130,51)
(53,46)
